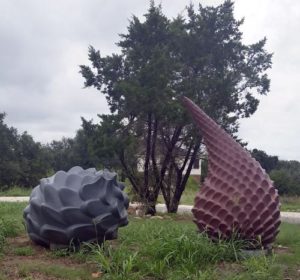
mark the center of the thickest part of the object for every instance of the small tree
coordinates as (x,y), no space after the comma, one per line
(201,56)
(267,162)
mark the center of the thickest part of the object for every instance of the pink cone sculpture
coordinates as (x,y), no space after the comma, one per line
(237,198)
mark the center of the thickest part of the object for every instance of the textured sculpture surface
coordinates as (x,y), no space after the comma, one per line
(237,196)
(76,206)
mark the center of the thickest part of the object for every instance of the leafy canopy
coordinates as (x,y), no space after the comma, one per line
(200,55)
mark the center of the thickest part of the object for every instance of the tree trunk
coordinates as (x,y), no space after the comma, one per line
(173,205)
(150,208)
(145,189)
(181,179)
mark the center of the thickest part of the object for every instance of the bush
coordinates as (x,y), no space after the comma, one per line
(286,183)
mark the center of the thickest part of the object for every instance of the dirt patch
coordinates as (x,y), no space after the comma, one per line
(14,266)
(282,250)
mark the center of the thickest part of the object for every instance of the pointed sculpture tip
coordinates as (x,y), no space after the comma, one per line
(186,101)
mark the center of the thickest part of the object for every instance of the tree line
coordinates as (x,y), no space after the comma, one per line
(284,173)
(23,162)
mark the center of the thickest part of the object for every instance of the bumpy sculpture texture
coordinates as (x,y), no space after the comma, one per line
(76,206)
(237,197)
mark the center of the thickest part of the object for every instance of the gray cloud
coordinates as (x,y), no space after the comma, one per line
(274,127)
(43,42)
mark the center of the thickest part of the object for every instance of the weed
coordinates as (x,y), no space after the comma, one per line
(115,263)
(11,215)
(23,251)
(59,253)
(8,227)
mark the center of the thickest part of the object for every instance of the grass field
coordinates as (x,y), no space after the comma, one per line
(287,203)
(291,203)
(15,191)
(168,248)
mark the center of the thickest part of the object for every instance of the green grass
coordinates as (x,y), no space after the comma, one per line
(287,203)
(11,217)
(10,220)
(290,237)
(259,268)
(24,251)
(188,196)
(290,203)
(162,249)
(15,191)
(168,249)
(189,193)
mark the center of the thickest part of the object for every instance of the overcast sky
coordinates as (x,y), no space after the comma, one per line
(42,43)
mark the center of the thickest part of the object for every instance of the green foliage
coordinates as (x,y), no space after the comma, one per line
(286,182)
(11,218)
(22,160)
(258,268)
(174,250)
(267,162)
(171,249)
(290,203)
(201,56)
(8,227)
(281,181)
(15,191)
(188,196)
(285,174)
(23,251)
(9,166)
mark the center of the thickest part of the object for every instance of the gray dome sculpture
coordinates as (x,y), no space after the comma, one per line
(76,206)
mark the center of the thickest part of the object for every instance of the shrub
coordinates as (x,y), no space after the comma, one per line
(286,183)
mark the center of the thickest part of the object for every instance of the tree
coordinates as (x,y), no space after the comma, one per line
(107,143)
(81,150)
(33,161)
(267,162)
(201,56)
(286,177)
(9,166)
(285,174)
(23,161)
(62,154)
